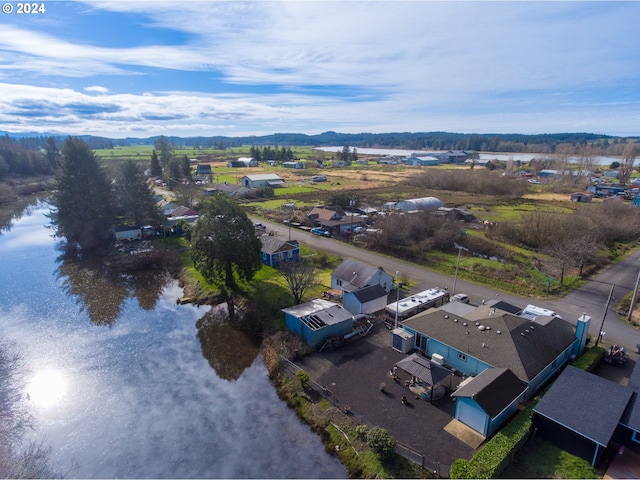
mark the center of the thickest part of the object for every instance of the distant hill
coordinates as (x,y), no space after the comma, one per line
(498,142)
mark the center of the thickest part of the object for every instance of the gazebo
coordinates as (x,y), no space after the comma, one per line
(426,371)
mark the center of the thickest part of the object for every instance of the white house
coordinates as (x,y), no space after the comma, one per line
(350,276)
(369,299)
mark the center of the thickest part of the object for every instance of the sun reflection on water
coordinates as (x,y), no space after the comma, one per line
(47,388)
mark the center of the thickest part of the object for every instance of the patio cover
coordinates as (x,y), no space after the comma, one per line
(424,369)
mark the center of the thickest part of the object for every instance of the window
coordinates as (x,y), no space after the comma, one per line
(462,356)
(339,283)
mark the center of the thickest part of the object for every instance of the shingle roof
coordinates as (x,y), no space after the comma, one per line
(524,346)
(494,390)
(356,273)
(594,413)
(367,294)
(272,245)
(424,369)
(631,417)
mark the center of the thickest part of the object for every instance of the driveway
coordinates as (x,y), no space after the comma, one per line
(590,299)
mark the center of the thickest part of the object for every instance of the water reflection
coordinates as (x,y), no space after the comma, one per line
(101,291)
(228,350)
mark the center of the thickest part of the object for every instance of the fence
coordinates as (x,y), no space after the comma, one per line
(439,470)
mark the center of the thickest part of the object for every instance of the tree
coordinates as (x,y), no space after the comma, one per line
(628,157)
(82,210)
(165,149)
(380,442)
(156,169)
(224,243)
(133,195)
(51,150)
(300,277)
(185,167)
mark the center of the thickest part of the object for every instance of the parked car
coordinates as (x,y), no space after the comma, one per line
(460,297)
(320,231)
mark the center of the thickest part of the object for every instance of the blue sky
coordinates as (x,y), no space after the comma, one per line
(139,68)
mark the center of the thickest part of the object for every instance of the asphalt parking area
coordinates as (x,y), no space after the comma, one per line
(353,374)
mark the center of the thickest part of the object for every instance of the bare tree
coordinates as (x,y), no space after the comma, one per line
(626,166)
(300,277)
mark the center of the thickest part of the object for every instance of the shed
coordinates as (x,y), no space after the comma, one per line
(369,299)
(317,320)
(487,401)
(262,180)
(585,425)
(402,340)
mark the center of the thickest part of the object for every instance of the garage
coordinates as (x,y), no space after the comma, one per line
(471,416)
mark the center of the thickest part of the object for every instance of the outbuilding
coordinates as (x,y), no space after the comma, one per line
(262,180)
(415,204)
(369,299)
(317,320)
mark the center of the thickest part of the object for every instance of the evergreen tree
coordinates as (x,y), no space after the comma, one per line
(82,200)
(156,169)
(185,166)
(165,150)
(224,243)
(134,196)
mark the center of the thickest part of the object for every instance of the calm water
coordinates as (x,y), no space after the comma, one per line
(123,383)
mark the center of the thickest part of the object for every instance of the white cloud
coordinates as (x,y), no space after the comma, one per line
(363,65)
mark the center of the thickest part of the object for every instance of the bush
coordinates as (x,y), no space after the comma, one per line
(380,442)
(302,377)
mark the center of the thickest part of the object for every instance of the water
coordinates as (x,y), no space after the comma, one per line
(129,393)
(503,157)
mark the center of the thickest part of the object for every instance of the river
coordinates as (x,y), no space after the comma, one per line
(122,383)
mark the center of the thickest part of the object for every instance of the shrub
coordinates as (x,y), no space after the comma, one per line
(380,442)
(302,377)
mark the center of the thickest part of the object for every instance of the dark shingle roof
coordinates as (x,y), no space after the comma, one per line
(272,245)
(524,346)
(631,417)
(593,413)
(367,294)
(494,390)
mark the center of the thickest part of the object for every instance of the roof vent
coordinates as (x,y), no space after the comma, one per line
(499,332)
(522,334)
(464,324)
(484,345)
(531,327)
(481,328)
(455,320)
(477,324)
(488,327)
(446,316)
(526,331)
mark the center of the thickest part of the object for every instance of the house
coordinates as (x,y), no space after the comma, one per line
(127,232)
(369,299)
(585,425)
(487,337)
(333,219)
(581,197)
(203,169)
(181,211)
(487,401)
(351,275)
(262,180)
(276,252)
(317,320)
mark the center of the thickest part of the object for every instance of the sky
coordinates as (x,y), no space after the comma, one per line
(139,68)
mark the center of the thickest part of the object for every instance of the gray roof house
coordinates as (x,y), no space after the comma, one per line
(489,338)
(369,299)
(276,252)
(351,275)
(581,412)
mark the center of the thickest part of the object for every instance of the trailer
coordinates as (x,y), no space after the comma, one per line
(410,306)
(362,325)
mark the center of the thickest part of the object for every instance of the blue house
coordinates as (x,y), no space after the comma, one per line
(487,337)
(487,401)
(276,252)
(317,320)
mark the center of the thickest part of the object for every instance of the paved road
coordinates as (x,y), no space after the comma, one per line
(590,299)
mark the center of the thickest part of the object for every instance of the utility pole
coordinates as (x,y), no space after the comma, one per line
(455,279)
(633,298)
(606,308)
(397,297)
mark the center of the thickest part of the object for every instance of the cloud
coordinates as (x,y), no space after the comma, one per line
(96,89)
(302,66)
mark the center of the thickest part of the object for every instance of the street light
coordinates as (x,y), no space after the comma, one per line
(397,297)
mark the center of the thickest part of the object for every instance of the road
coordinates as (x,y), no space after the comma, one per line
(590,299)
